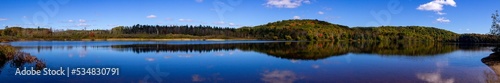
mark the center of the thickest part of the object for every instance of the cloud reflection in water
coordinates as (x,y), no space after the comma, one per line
(436,77)
(279,76)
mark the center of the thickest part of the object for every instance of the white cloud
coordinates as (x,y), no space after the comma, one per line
(232,24)
(219,23)
(185,20)
(443,20)
(70,21)
(83,25)
(151,16)
(112,25)
(199,1)
(296,17)
(440,13)
(437,6)
(331,17)
(286,3)
(2,19)
(321,13)
(82,21)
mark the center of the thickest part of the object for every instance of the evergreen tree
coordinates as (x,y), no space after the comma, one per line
(495,27)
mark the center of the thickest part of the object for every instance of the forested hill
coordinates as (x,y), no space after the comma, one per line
(297,30)
(303,29)
(308,29)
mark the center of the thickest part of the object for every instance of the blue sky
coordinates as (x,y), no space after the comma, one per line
(461,16)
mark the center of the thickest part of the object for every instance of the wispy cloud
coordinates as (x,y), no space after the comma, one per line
(440,13)
(443,20)
(168,19)
(321,12)
(296,17)
(112,25)
(82,21)
(151,16)
(286,3)
(82,25)
(185,20)
(3,19)
(219,23)
(233,24)
(331,17)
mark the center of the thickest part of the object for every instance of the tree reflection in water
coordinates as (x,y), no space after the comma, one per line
(303,50)
(17,59)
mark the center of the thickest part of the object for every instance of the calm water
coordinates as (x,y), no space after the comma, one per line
(260,61)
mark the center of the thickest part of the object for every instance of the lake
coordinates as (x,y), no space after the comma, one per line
(259,61)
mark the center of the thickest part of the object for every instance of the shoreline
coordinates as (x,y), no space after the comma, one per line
(131,39)
(145,39)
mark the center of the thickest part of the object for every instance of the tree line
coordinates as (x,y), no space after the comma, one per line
(199,30)
(296,29)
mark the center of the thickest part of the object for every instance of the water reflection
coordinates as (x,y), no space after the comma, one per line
(197,78)
(300,50)
(279,76)
(406,48)
(475,47)
(436,76)
(320,62)
(214,78)
(17,59)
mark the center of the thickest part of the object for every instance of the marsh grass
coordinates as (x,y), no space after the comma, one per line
(18,59)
